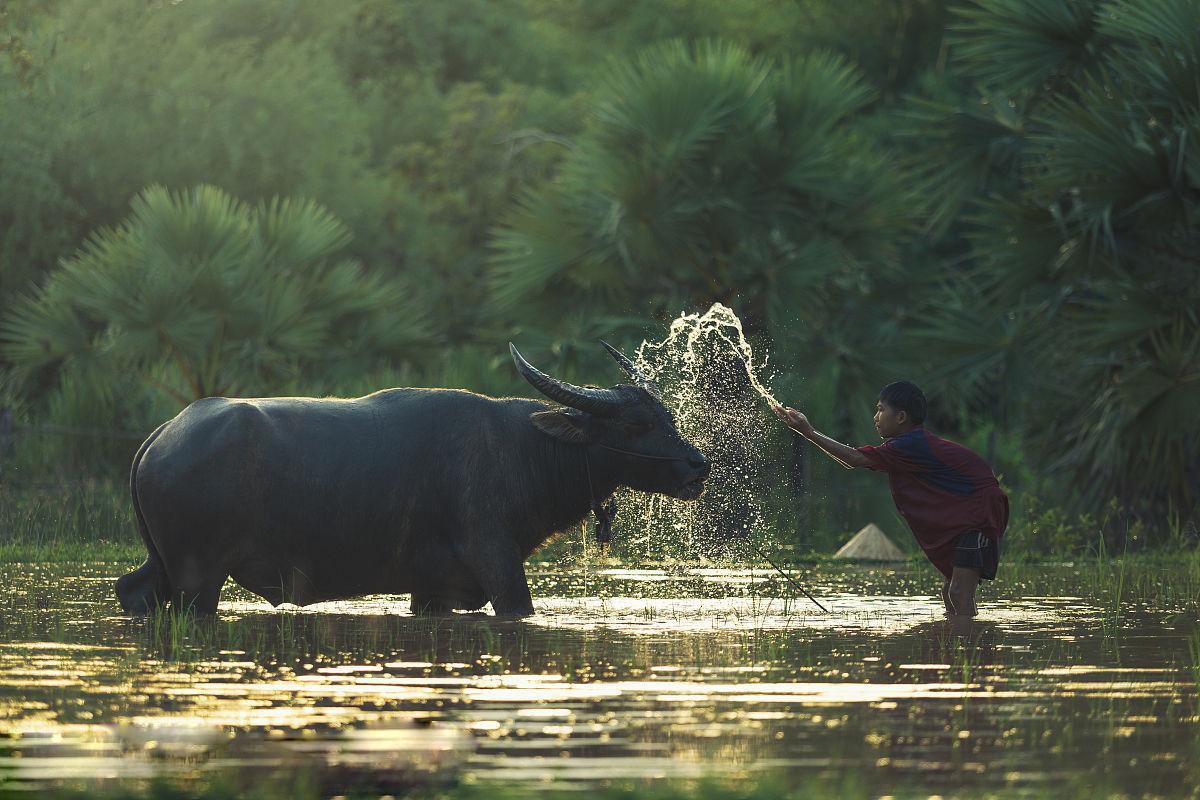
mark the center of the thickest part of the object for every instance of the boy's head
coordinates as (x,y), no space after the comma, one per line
(901,408)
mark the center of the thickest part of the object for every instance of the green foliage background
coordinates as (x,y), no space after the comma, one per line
(999,199)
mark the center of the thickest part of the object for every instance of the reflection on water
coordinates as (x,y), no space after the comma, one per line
(630,673)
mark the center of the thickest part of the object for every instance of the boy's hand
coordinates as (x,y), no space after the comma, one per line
(793,419)
(845,455)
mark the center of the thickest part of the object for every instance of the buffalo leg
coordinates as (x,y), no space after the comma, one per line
(422,604)
(500,570)
(144,589)
(512,598)
(202,600)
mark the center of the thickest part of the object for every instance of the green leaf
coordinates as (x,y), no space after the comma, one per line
(1018,44)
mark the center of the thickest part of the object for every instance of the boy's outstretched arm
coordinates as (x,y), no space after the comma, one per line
(845,455)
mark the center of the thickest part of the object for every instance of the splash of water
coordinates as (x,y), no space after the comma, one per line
(708,375)
(692,338)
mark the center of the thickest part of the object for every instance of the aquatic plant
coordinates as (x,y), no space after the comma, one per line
(1193,648)
(84,520)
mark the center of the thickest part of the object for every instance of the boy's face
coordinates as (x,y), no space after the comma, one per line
(888,421)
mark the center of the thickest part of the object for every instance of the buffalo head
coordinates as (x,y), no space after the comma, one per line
(628,422)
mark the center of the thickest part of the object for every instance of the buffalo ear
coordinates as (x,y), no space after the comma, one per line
(561,425)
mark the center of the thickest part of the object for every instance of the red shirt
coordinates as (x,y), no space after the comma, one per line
(942,490)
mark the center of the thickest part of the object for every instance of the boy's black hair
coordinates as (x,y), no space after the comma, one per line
(905,396)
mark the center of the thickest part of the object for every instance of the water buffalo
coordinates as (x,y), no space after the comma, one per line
(438,492)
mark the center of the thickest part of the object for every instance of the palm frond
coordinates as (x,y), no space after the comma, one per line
(961,152)
(1117,315)
(665,107)
(1137,433)
(1119,171)
(533,249)
(201,225)
(1019,44)
(1158,49)
(296,233)
(812,95)
(43,329)
(1018,245)
(987,356)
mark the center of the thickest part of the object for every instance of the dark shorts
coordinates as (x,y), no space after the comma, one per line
(977,551)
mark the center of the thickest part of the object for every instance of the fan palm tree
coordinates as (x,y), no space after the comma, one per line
(217,296)
(1085,233)
(707,174)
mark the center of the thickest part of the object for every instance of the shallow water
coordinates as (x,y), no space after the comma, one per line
(631,674)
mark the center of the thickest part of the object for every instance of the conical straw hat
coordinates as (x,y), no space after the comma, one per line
(871,544)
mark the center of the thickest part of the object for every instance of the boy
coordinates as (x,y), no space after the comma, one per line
(946,493)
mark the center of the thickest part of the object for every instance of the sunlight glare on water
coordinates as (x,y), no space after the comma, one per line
(643,673)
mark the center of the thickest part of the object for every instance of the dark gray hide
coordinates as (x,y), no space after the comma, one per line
(437,492)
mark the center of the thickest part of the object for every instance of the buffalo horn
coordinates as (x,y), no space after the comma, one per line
(630,368)
(601,402)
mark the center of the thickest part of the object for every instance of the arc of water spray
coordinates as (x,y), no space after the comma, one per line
(716,321)
(721,322)
(741,349)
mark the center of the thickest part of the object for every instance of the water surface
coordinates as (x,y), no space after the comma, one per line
(636,674)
